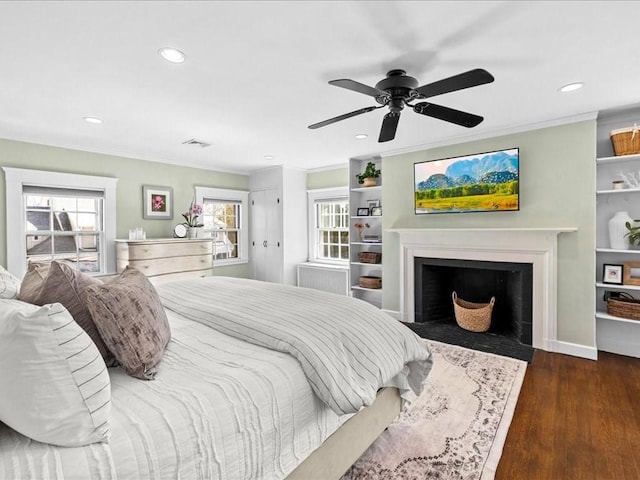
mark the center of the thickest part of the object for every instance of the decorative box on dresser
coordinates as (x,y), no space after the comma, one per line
(166,259)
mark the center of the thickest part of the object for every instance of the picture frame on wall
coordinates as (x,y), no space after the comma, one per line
(612,274)
(157,202)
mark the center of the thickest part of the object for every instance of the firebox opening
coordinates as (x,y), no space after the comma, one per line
(475,281)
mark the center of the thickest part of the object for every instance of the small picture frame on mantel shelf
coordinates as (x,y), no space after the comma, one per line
(612,274)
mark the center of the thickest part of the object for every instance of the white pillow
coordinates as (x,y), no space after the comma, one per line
(9,285)
(55,385)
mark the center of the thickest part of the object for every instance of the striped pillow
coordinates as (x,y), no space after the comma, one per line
(9,285)
(54,383)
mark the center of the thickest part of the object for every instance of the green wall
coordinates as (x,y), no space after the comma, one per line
(335,177)
(557,184)
(132,174)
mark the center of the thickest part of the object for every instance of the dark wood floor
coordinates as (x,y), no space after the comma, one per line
(575,419)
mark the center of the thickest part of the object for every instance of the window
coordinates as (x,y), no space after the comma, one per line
(329,225)
(224,215)
(59,216)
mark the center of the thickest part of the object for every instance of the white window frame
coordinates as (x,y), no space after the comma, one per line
(314,196)
(16,178)
(231,196)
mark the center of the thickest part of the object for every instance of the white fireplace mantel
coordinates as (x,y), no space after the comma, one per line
(537,246)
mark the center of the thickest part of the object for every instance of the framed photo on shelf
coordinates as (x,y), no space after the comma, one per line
(157,202)
(362,212)
(373,203)
(631,273)
(612,274)
(376,211)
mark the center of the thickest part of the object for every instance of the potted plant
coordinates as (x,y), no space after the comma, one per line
(368,177)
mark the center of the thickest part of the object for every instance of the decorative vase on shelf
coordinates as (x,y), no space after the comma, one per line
(618,230)
(192,232)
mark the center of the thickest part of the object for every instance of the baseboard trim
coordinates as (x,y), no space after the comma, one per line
(393,313)
(575,349)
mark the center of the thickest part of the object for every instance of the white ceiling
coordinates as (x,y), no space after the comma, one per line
(256,73)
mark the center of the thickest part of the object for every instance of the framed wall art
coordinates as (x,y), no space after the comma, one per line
(157,202)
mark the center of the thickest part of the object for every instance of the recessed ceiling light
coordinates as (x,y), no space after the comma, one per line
(361,136)
(92,120)
(268,157)
(571,87)
(171,54)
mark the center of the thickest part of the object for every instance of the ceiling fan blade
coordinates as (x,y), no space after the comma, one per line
(344,117)
(447,114)
(472,78)
(389,126)
(357,87)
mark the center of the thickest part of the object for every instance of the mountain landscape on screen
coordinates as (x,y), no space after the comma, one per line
(473,183)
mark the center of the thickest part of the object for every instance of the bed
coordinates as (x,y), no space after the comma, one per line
(258,381)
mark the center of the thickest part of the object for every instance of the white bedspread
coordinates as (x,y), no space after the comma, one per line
(220,408)
(348,348)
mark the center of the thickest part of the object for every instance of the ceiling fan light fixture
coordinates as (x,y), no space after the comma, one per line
(172,55)
(571,87)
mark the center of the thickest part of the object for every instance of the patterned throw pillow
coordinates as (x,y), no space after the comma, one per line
(64,284)
(131,321)
(55,386)
(9,284)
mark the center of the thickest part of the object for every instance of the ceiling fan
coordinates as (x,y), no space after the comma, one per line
(398,89)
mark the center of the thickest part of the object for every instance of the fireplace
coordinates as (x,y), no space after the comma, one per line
(476,281)
(534,246)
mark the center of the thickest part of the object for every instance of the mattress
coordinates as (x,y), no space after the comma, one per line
(220,408)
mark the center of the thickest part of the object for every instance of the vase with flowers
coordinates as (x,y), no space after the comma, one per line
(192,222)
(360,227)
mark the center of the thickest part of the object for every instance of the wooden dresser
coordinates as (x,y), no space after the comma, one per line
(166,259)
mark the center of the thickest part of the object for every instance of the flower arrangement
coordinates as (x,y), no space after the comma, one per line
(361,227)
(191,216)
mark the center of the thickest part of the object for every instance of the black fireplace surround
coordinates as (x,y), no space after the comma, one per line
(475,281)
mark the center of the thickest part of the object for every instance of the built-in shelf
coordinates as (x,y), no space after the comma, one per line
(618,191)
(614,286)
(358,287)
(613,250)
(365,216)
(366,189)
(366,243)
(366,264)
(606,316)
(617,159)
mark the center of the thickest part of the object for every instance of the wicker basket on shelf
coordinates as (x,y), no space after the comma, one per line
(626,141)
(475,317)
(370,282)
(369,257)
(625,307)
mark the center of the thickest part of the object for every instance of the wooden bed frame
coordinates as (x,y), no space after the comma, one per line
(344,446)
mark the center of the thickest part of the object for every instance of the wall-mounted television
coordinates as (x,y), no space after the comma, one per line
(482,182)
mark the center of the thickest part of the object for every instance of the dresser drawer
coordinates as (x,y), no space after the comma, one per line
(162,266)
(169,249)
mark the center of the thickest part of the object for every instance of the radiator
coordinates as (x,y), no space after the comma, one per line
(329,278)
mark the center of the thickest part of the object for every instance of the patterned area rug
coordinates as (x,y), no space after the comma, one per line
(456,428)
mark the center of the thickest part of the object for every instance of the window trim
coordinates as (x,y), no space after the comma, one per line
(313,196)
(17,178)
(236,196)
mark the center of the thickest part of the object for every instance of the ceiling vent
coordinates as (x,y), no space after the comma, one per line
(198,143)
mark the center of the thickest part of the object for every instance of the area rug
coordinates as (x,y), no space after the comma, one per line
(456,428)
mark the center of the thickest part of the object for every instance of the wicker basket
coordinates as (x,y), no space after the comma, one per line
(370,282)
(624,307)
(369,257)
(626,141)
(475,317)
